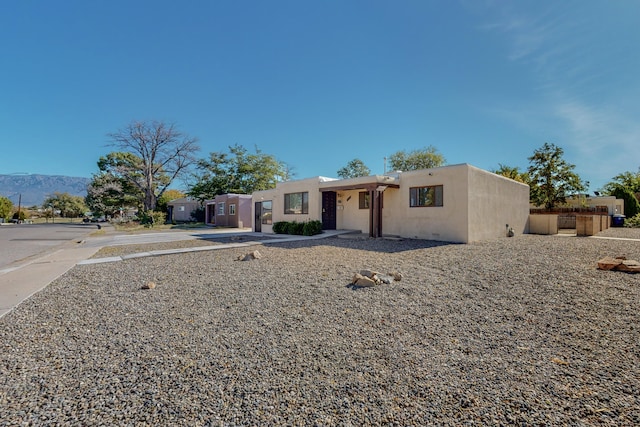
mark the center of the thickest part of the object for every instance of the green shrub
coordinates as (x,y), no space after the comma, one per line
(280,227)
(151,218)
(312,227)
(295,228)
(633,222)
(308,228)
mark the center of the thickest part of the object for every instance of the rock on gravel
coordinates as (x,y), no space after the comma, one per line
(523,330)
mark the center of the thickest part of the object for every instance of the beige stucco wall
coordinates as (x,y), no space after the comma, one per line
(477,205)
(494,203)
(261,196)
(588,225)
(543,224)
(446,223)
(349,216)
(310,185)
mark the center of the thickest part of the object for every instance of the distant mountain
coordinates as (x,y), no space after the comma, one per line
(36,188)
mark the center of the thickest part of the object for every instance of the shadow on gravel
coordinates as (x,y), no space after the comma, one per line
(233,238)
(375,245)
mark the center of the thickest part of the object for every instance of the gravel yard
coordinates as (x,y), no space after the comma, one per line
(522,330)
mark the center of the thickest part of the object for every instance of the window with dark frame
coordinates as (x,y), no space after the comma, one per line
(267,214)
(296,203)
(430,196)
(363,200)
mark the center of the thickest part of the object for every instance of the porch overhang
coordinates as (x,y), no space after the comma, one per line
(375,186)
(368,183)
(365,187)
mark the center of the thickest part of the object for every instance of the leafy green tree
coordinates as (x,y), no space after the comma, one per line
(552,178)
(628,180)
(159,154)
(69,206)
(631,204)
(109,190)
(512,173)
(6,207)
(354,169)
(236,172)
(425,158)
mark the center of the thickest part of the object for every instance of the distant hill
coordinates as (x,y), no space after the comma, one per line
(36,188)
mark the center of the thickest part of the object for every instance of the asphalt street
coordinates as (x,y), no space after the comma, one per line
(20,243)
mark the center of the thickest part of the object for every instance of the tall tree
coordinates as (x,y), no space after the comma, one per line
(237,172)
(354,169)
(162,154)
(628,180)
(425,158)
(6,207)
(552,178)
(109,190)
(512,173)
(69,206)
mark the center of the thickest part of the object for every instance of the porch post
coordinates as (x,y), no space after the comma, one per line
(375,213)
(372,214)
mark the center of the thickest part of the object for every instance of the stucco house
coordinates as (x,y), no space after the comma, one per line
(457,203)
(229,210)
(179,210)
(613,206)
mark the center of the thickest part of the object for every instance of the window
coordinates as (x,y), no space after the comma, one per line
(232,209)
(296,203)
(221,208)
(181,208)
(266,212)
(425,196)
(363,198)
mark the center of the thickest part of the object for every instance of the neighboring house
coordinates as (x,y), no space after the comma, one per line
(457,203)
(229,210)
(574,215)
(179,210)
(613,206)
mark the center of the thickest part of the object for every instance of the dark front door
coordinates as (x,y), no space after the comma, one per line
(257,218)
(329,210)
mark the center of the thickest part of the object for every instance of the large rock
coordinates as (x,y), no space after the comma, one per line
(250,256)
(619,264)
(368,278)
(359,279)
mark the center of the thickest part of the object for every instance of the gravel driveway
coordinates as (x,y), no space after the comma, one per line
(523,331)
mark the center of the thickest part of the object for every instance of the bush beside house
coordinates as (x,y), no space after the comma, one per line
(308,228)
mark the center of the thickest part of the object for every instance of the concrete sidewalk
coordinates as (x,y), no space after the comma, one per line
(19,282)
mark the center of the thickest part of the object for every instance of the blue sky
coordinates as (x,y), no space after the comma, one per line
(318,84)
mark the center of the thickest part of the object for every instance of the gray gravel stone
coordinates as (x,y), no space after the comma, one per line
(523,330)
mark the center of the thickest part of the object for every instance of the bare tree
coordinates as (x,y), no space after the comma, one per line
(163,153)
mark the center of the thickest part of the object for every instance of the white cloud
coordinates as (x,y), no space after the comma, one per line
(578,67)
(603,139)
